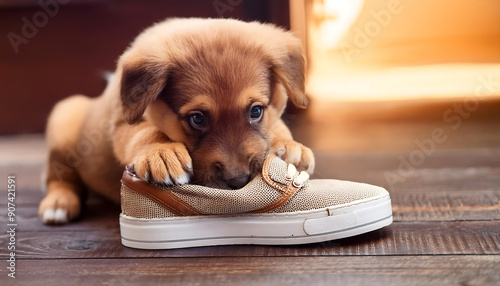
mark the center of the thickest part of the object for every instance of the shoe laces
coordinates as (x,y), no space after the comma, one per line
(297,178)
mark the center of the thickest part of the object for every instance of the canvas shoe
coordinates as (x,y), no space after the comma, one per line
(280,206)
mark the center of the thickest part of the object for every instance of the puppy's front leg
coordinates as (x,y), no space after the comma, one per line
(154,156)
(290,150)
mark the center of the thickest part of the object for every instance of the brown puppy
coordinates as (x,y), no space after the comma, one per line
(192,100)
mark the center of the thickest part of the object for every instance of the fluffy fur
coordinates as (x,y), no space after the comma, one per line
(192,100)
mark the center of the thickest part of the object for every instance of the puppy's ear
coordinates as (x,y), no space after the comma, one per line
(288,68)
(141,83)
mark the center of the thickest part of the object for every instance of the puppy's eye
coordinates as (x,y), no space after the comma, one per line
(256,113)
(197,120)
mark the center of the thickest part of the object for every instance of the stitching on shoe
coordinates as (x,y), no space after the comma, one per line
(154,199)
(267,178)
(285,197)
(180,202)
(287,191)
(178,206)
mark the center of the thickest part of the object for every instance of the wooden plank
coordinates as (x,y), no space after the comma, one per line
(97,215)
(469,172)
(28,182)
(368,270)
(467,182)
(446,206)
(22,150)
(464,170)
(390,160)
(407,207)
(431,238)
(370,126)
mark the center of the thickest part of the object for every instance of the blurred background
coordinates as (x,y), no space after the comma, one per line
(385,73)
(381,73)
(405,94)
(62,47)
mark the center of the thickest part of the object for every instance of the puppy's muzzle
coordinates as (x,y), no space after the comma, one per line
(238,182)
(234,177)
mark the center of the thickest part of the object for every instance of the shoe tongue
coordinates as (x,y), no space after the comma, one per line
(277,170)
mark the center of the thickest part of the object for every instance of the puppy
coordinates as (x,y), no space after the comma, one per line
(191,100)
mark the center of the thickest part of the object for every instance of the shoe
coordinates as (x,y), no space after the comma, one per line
(280,206)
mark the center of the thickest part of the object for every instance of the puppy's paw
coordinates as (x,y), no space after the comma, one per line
(294,153)
(164,163)
(59,207)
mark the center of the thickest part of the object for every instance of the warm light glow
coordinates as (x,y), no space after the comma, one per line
(409,83)
(336,16)
(398,49)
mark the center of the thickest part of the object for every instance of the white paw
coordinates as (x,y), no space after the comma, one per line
(183,179)
(180,180)
(164,163)
(294,153)
(167,181)
(59,216)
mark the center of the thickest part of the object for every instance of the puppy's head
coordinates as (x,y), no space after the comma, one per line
(218,86)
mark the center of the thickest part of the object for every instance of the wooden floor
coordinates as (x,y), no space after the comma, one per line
(445,195)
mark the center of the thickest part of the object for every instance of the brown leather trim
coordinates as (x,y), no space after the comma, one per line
(287,191)
(162,197)
(290,191)
(267,178)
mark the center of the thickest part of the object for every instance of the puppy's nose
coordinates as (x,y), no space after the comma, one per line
(238,182)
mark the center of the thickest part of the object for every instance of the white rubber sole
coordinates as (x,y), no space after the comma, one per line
(266,229)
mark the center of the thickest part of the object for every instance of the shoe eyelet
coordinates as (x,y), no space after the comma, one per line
(296,185)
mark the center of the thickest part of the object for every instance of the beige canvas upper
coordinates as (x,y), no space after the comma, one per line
(269,192)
